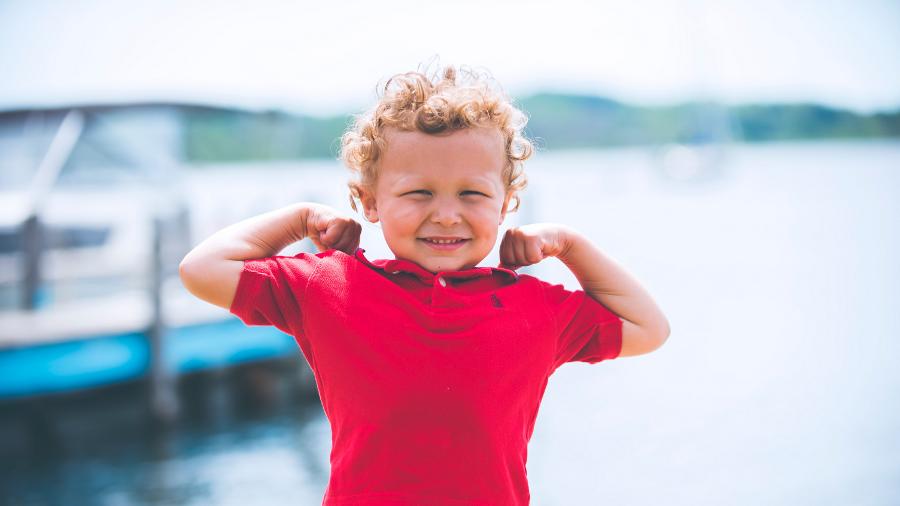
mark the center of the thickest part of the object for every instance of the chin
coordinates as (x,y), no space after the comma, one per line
(444,266)
(435,267)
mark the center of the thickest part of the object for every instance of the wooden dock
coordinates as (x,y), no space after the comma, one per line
(89,289)
(97,341)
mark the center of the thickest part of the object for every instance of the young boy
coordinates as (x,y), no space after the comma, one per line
(429,368)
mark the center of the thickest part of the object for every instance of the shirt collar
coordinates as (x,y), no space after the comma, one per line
(407,266)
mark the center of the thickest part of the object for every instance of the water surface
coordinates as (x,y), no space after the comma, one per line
(779,273)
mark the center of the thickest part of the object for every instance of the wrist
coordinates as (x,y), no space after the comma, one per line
(569,240)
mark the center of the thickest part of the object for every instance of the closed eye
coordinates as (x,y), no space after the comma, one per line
(467,192)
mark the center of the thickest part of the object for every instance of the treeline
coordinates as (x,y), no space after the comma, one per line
(557,121)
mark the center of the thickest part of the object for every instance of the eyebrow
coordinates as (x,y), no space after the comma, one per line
(412,180)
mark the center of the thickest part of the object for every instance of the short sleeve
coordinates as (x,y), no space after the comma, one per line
(271,291)
(586,330)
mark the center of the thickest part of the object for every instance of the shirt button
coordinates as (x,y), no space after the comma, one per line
(442,281)
(395,272)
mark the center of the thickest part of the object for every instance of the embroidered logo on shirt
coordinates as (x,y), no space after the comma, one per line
(495,300)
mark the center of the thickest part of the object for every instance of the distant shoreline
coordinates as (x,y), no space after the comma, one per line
(557,121)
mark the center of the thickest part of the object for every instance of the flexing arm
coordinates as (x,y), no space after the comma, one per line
(212,269)
(644,326)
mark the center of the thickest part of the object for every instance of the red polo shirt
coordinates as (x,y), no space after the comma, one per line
(431,382)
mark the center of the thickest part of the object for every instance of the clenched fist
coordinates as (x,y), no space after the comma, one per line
(529,244)
(328,229)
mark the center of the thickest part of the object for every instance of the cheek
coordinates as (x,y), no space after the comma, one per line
(401,217)
(488,215)
(406,217)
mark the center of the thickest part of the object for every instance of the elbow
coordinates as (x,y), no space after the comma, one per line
(188,266)
(653,337)
(660,334)
(187,273)
(183,268)
(184,275)
(642,339)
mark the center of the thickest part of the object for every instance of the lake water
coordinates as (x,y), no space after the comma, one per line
(779,271)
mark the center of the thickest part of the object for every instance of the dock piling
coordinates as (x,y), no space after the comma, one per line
(163,399)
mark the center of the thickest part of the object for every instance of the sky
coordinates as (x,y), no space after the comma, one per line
(328,57)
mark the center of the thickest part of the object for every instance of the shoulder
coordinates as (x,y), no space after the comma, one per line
(566,303)
(531,291)
(331,264)
(539,287)
(301,266)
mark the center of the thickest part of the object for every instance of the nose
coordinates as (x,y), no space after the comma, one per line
(446,212)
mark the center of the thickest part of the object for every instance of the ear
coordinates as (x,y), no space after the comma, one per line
(370,209)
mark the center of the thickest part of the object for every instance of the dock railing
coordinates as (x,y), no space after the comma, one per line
(47,174)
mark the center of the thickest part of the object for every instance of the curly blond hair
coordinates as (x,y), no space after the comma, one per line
(459,99)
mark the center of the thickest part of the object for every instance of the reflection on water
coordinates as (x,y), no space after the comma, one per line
(247,436)
(780,279)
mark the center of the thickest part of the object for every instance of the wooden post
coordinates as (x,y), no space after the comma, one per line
(163,400)
(31,258)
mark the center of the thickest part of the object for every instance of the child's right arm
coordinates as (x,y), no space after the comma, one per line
(212,269)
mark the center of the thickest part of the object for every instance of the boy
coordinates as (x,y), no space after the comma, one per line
(429,368)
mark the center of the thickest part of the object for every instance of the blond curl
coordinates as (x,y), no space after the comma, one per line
(412,101)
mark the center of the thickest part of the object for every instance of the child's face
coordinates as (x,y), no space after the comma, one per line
(446,186)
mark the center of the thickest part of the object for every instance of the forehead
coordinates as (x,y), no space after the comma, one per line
(472,153)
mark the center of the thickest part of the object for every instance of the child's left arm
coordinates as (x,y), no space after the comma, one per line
(644,326)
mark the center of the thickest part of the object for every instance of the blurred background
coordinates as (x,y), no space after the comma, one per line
(741,159)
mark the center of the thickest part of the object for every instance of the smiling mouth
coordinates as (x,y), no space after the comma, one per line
(442,241)
(443,244)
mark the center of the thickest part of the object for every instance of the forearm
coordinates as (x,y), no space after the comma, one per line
(260,236)
(609,283)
